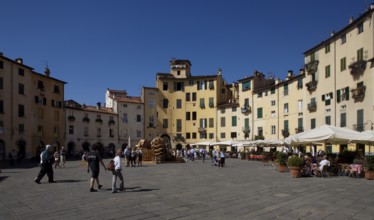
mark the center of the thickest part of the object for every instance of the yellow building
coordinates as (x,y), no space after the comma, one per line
(150,99)
(187,105)
(31,107)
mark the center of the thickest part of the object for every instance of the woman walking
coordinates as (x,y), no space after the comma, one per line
(117,172)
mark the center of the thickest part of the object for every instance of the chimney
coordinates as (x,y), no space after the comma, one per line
(47,71)
(98,105)
(372,6)
(332,33)
(290,74)
(219,71)
(19,60)
(351,19)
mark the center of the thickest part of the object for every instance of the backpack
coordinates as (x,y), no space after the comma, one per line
(111,165)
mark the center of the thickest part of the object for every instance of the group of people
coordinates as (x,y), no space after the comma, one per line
(314,166)
(218,158)
(134,156)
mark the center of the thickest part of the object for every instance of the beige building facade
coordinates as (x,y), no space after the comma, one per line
(88,125)
(31,109)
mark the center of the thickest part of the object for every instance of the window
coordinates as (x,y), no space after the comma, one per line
(56,115)
(56,89)
(178,86)
(165,123)
(246,123)
(179,125)
(246,102)
(165,103)
(151,103)
(327,71)
(344,39)
(246,85)
(260,131)
(152,121)
(71,129)
(312,123)
(360,120)
(223,122)
(233,135)
(111,132)
(300,105)
(194,116)
(343,120)
(125,119)
(223,135)
(285,87)
(300,124)
(40,85)
(273,129)
(1,83)
(188,97)
(190,82)
(343,64)
(211,102)
(360,28)
(328,120)
(179,103)
(273,114)
(342,94)
(138,118)
(299,83)
(188,116)
(194,97)
(194,135)
(1,64)
(211,84)
(285,108)
(1,106)
(21,72)
(21,129)
(21,89)
(165,86)
(211,122)
(272,103)
(259,112)
(202,104)
(360,54)
(211,135)
(234,121)
(285,125)
(233,109)
(327,98)
(21,110)
(188,135)
(327,48)
(272,91)
(203,123)
(40,130)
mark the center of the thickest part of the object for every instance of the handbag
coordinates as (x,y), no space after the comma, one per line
(111,165)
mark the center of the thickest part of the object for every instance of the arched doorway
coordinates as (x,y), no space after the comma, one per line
(167,141)
(21,144)
(86,146)
(71,149)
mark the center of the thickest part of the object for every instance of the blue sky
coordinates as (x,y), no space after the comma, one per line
(121,44)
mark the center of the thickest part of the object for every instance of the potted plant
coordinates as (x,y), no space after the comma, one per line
(369,167)
(243,155)
(295,164)
(282,161)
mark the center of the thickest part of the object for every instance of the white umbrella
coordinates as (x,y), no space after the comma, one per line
(206,143)
(225,143)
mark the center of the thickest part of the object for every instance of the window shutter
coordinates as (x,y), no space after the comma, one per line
(347,93)
(323,97)
(331,95)
(338,95)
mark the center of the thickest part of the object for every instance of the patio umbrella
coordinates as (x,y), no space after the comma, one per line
(205,143)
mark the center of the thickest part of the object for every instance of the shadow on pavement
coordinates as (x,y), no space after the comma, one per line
(3,178)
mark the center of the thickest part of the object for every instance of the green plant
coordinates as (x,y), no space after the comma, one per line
(282,158)
(369,163)
(243,154)
(296,161)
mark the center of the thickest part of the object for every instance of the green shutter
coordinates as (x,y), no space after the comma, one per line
(347,93)
(338,95)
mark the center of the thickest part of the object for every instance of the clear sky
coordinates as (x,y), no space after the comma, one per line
(121,44)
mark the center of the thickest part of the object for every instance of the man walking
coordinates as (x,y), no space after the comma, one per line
(46,163)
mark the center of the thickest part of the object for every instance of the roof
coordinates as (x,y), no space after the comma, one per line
(129,99)
(338,34)
(71,104)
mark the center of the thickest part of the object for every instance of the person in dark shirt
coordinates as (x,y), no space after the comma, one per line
(94,159)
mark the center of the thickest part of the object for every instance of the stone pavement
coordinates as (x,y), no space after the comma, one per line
(240,190)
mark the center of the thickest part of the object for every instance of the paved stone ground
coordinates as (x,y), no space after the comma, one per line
(240,190)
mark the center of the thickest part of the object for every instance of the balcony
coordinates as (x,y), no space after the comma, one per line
(201,130)
(85,119)
(246,130)
(312,85)
(358,67)
(111,122)
(246,109)
(312,106)
(285,133)
(71,118)
(359,127)
(312,67)
(299,130)
(358,93)
(99,120)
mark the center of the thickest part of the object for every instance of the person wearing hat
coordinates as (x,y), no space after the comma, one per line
(46,163)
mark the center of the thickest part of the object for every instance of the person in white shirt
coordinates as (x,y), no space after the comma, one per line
(117,172)
(324,162)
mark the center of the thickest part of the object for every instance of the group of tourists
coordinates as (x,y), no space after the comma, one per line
(134,156)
